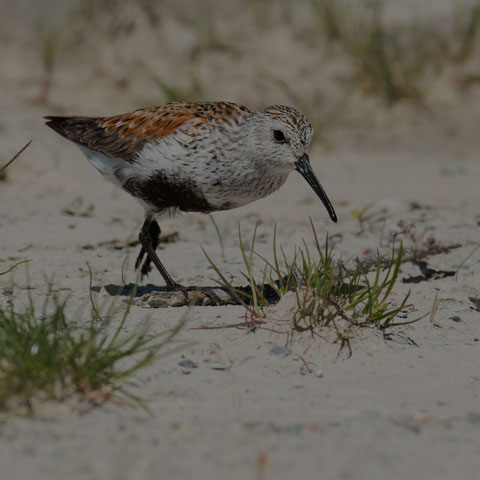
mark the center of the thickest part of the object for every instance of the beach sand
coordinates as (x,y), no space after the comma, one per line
(402,406)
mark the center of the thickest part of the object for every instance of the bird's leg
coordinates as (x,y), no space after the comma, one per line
(140,256)
(155,237)
(149,238)
(149,242)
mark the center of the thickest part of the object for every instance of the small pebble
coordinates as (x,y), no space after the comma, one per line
(187,364)
(219,366)
(395,229)
(280,351)
(455,318)
(319,373)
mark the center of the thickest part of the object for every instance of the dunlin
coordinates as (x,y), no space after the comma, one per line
(194,157)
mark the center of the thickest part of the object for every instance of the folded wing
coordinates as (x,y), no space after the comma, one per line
(123,136)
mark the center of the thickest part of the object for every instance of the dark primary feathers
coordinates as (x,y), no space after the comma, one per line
(88,132)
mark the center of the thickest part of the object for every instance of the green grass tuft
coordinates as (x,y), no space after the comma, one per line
(46,355)
(361,216)
(325,288)
(330,292)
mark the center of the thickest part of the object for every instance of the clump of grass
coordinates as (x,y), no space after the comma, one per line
(330,292)
(388,62)
(466,30)
(331,14)
(325,288)
(46,355)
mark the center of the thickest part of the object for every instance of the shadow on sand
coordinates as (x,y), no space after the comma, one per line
(217,295)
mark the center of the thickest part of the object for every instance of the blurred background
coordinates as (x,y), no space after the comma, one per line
(395,74)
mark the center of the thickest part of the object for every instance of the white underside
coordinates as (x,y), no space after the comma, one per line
(107,166)
(182,168)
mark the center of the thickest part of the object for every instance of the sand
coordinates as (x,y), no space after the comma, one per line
(403,405)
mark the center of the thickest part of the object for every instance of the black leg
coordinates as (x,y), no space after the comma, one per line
(149,236)
(154,232)
(139,259)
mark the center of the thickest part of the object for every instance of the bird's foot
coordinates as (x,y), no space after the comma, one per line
(177,287)
(207,292)
(146,268)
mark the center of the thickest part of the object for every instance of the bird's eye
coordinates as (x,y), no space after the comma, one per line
(279,136)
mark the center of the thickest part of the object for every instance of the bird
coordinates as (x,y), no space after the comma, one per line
(194,157)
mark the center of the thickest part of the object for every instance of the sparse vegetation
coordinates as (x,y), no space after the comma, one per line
(326,290)
(3,170)
(465,33)
(398,61)
(46,355)
(388,62)
(361,216)
(387,59)
(8,270)
(384,64)
(361,297)
(330,14)
(259,394)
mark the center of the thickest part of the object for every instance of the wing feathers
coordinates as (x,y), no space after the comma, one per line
(89,132)
(123,136)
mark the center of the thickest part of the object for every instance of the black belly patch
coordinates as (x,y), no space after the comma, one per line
(164,193)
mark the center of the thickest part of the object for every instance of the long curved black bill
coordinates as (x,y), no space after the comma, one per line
(302,165)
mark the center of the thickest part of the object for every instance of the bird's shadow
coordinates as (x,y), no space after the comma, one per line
(133,290)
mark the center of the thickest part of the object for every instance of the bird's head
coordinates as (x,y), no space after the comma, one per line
(280,139)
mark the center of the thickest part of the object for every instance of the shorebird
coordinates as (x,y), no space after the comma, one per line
(194,157)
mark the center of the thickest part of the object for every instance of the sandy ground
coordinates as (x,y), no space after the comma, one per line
(405,406)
